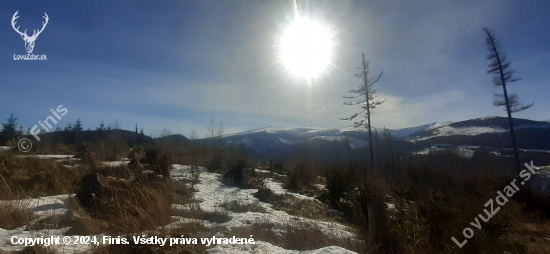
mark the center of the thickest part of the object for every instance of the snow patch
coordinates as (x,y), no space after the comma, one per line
(115,163)
(265,247)
(47,156)
(213,193)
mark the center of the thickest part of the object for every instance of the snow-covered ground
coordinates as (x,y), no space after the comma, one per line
(265,247)
(41,208)
(48,156)
(269,172)
(469,151)
(211,191)
(116,163)
(463,151)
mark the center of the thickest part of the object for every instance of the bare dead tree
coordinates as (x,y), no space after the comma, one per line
(366,95)
(216,137)
(499,66)
(349,153)
(212,136)
(377,147)
(194,151)
(389,145)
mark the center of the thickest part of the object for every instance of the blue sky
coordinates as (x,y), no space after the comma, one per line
(180,64)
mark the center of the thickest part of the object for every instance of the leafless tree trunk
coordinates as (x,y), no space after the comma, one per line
(500,68)
(366,95)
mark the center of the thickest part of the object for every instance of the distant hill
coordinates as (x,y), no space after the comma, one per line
(124,135)
(488,132)
(346,140)
(175,140)
(492,132)
(74,137)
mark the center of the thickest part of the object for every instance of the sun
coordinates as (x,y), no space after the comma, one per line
(306,48)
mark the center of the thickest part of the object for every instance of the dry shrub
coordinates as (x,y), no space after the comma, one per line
(428,227)
(218,216)
(300,177)
(265,194)
(13,215)
(362,199)
(534,200)
(264,231)
(276,166)
(305,237)
(366,203)
(304,208)
(163,166)
(235,175)
(183,192)
(86,157)
(275,176)
(215,163)
(432,205)
(534,234)
(80,222)
(195,212)
(338,183)
(120,171)
(296,235)
(85,226)
(76,218)
(24,177)
(50,222)
(242,175)
(133,208)
(37,249)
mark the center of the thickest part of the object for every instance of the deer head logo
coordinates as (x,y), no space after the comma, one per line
(29,40)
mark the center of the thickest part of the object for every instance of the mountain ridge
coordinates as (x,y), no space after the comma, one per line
(484,132)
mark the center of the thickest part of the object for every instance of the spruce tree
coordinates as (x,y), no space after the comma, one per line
(9,129)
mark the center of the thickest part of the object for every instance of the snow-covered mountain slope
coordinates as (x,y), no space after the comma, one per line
(274,130)
(487,131)
(405,132)
(476,127)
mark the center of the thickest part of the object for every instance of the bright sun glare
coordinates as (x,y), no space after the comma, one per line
(306,48)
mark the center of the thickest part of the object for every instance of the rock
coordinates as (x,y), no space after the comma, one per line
(91,187)
(230,205)
(540,181)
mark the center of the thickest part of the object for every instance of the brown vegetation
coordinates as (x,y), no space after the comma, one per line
(14,215)
(417,208)
(296,235)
